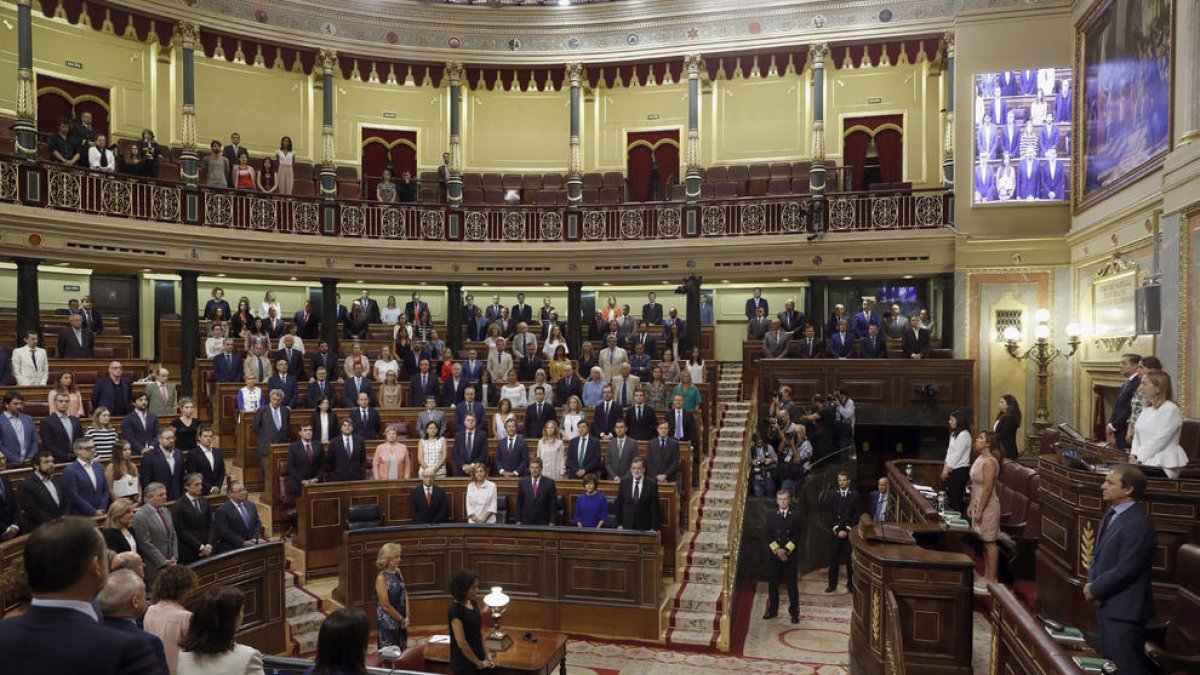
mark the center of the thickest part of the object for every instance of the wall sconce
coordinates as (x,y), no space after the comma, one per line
(1042,353)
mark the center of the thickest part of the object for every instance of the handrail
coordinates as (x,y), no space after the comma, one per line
(77,190)
(734,535)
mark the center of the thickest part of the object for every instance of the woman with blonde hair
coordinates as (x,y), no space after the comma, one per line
(118,524)
(102,432)
(1156,435)
(481,496)
(391,598)
(550,449)
(391,460)
(390,392)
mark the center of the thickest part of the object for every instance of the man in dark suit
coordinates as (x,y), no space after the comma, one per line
(347,454)
(622,450)
(236,524)
(113,392)
(365,419)
(274,325)
(67,562)
(231,153)
(512,453)
(320,387)
(1121,571)
(306,460)
(783,536)
(227,366)
(83,481)
(1053,179)
(757,327)
(91,318)
(567,386)
(877,501)
(468,406)
(680,422)
(643,337)
(284,382)
(307,322)
(606,414)
(521,312)
(414,308)
(270,425)
(640,419)
(841,343)
(43,498)
(662,456)
(470,447)
(843,507)
(454,389)
(536,496)
(915,343)
(75,341)
(427,503)
(122,601)
(164,464)
(637,500)
(864,319)
(809,347)
(754,302)
(370,308)
(8,505)
(538,413)
(791,320)
(472,367)
(673,319)
(59,430)
(207,461)
(326,360)
(193,521)
(477,326)
(140,427)
(294,357)
(1118,421)
(423,384)
(356,384)
(872,346)
(652,311)
(583,453)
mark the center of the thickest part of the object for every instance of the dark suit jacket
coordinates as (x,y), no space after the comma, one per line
(227,369)
(520,313)
(477,328)
(38,505)
(516,459)
(792,322)
(464,455)
(662,459)
(867,350)
(8,505)
(413,309)
(1006,428)
(264,428)
(230,530)
(616,466)
(841,346)
(194,528)
(115,397)
(346,465)
(210,476)
(329,361)
(156,470)
(650,342)
(750,307)
(289,388)
(295,363)
(564,390)
(315,394)
(437,510)
(652,313)
(534,421)
(116,542)
(55,439)
(35,643)
(591,457)
(783,531)
(301,468)
(451,394)
(140,435)
(462,409)
(603,423)
(129,627)
(70,348)
(843,512)
(307,329)
(689,424)
(85,500)
(873,503)
(915,343)
(539,509)
(417,393)
(642,429)
(642,514)
(806,350)
(1121,570)
(350,391)
(1123,408)
(367,426)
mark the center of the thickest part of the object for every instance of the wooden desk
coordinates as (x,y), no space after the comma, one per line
(258,571)
(1021,645)
(905,503)
(540,658)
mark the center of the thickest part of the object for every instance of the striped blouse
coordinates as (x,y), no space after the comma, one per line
(105,440)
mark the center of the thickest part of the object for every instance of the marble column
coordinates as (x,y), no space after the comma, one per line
(575,159)
(691,65)
(575,317)
(189,324)
(25,128)
(948,139)
(327,60)
(454,317)
(329,326)
(189,160)
(454,71)
(692,284)
(28,310)
(816,174)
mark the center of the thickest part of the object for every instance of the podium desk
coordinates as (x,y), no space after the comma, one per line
(543,657)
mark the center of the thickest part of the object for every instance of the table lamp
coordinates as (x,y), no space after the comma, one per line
(497,603)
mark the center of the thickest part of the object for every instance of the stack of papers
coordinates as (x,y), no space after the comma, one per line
(1090,664)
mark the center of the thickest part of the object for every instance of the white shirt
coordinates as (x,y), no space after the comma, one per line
(958,453)
(481,500)
(1156,438)
(87,468)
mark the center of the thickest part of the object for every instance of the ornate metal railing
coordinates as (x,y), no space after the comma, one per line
(86,192)
(734,534)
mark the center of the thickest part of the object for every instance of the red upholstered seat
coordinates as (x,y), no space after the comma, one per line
(553,181)
(614,179)
(285,499)
(725,191)
(470,180)
(472,197)
(593,181)
(347,174)
(591,195)
(511,181)
(102,352)
(716,174)
(800,186)
(779,186)
(492,181)
(493,196)
(1178,649)
(349,191)
(531,181)
(678,192)
(610,195)
(303,187)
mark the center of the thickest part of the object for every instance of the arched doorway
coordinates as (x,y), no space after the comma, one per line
(652,164)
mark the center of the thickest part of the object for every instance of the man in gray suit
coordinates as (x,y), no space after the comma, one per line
(621,451)
(155,532)
(757,328)
(430,414)
(775,343)
(271,426)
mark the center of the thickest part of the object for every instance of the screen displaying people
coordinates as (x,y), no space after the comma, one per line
(1022,123)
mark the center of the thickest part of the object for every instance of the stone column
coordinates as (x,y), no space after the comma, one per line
(454,71)
(454,317)
(189,160)
(948,141)
(1187,70)
(575,159)
(691,64)
(691,284)
(327,60)
(28,309)
(329,327)
(575,317)
(816,174)
(189,340)
(25,128)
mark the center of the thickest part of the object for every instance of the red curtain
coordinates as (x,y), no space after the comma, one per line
(384,147)
(640,148)
(889,143)
(63,98)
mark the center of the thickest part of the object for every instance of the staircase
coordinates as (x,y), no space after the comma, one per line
(304,615)
(695,614)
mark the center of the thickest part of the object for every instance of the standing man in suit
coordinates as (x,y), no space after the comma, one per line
(791,320)
(30,364)
(611,357)
(43,497)
(865,319)
(472,368)
(645,338)
(293,354)
(606,414)
(306,460)
(227,366)
(231,153)
(662,455)
(477,326)
(122,601)
(1118,421)
(680,422)
(413,308)
(640,419)
(756,301)
(8,506)
(637,500)
(468,406)
(307,322)
(346,457)
(320,387)
(624,385)
(270,425)
(257,363)
(843,508)
(672,320)
(427,503)
(323,359)
(652,311)
(155,532)
(75,341)
(1121,571)
(370,308)
(512,453)
(872,346)
(236,524)
(521,312)
(454,389)
(432,414)
(583,454)
(140,427)
(1054,179)
(567,386)
(536,496)
(356,384)
(164,465)
(915,343)
(160,394)
(538,413)
(775,342)
(470,446)
(757,327)
(809,346)
(877,501)
(422,384)
(206,460)
(18,436)
(841,343)
(783,536)
(365,419)
(622,450)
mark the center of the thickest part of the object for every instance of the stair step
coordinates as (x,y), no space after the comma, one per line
(712,542)
(693,621)
(697,597)
(708,559)
(298,603)
(697,638)
(306,623)
(704,575)
(716,512)
(707,524)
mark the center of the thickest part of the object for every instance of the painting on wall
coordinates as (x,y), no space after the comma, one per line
(1123,66)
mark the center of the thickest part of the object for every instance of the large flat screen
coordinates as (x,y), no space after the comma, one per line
(1022,122)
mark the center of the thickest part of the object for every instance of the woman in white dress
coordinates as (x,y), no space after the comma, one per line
(249,398)
(1156,433)
(695,366)
(391,314)
(215,343)
(385,364)
(122,474)
(433,450)
(572,417)
(539,382)
(514,391)
(481,497)
(493,338)
(269,302)
(550,450)
(553,342)
(501,417)
(285,158)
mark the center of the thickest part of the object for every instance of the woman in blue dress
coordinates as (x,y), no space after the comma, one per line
(591,509)
(391,608)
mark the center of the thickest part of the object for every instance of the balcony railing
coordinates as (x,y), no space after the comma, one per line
(80,191)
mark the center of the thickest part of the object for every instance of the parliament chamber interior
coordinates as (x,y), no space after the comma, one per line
(600,336)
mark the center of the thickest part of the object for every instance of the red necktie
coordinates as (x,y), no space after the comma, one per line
(163,520)
(308,450)
(428,496)
(535,488)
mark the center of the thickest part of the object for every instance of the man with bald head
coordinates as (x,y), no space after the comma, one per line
(113,392)
(75,341)
(122,601)
(775,342)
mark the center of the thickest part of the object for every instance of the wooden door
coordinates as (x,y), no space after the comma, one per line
(118,298)
(652,164)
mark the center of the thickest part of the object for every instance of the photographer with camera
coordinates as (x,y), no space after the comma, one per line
(763,461)
(844,423)
(793,449)
(820,422)
(782,400)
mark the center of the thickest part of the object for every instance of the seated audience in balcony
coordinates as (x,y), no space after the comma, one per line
(386,190)
(285,158)
(267,179)
(148,151)
(216,167)
(406,189)
(232,152)
(915,343)
(244,176)
(1156,433)
(841,343)
(100,158)
(64,148)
